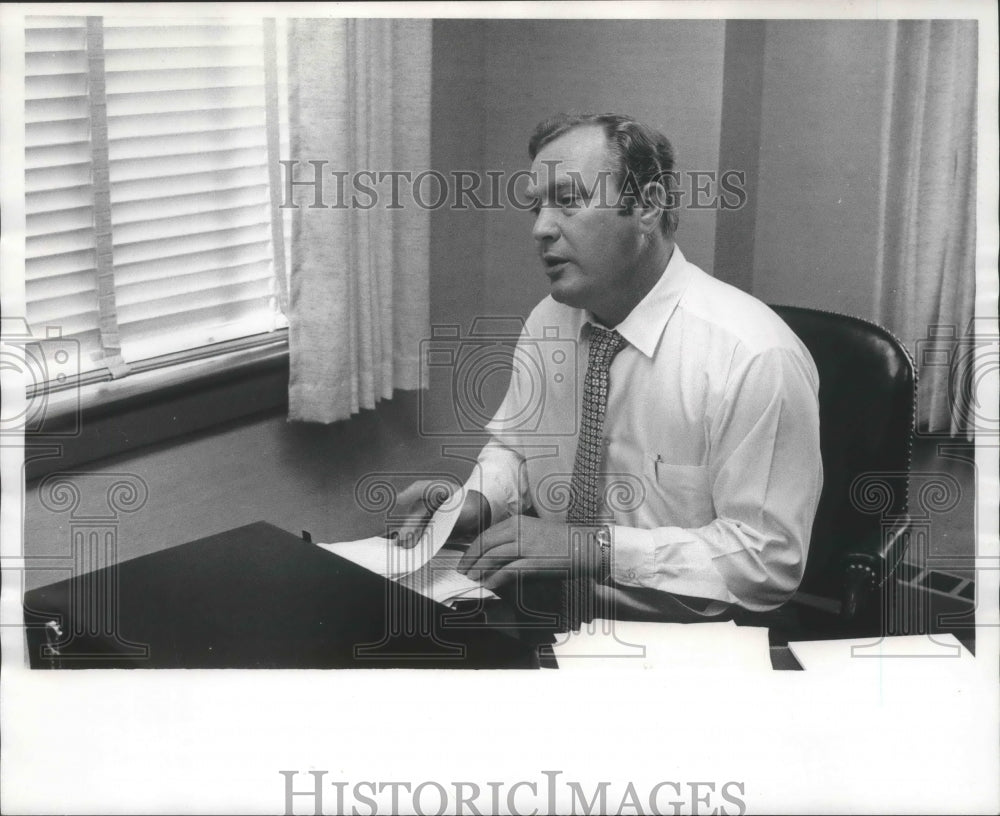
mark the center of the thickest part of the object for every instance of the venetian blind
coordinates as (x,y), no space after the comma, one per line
(149,215)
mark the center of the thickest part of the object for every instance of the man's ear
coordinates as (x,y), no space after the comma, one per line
(654,202)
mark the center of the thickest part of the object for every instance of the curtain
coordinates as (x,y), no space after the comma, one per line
(927,228)
(359,102)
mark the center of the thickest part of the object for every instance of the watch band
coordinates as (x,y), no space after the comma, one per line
(603,536)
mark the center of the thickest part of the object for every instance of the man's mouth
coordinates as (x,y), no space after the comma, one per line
(553,263)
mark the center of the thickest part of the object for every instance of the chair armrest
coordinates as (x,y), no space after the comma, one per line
(869,568)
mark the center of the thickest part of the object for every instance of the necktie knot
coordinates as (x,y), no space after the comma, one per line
(604,345)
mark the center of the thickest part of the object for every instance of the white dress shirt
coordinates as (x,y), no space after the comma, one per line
(712,466)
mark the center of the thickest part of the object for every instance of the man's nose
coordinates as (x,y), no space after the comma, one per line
(545,226)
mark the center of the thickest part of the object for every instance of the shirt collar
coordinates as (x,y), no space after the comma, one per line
(644,325)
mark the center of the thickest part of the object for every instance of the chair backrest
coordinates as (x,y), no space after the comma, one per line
(866,397)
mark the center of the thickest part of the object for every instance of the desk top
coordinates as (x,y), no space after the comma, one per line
(254,597)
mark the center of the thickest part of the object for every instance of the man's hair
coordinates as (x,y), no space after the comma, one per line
(643,155)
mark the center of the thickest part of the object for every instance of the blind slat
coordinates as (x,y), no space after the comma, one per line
(179,79)
(191,285)
(55,178)
(137,59)
(185,144)
(60,286)
(129,125)
(55,109)
(58,243)
(39,22)
(206,100)
(41,224)
(55,86)
(57,200)
(179,226)
(130,212)
(73,315)
(184,183)
(53,155)
(46,40)
(172,166)
(166,247)
(252,294)
(165,39)
(55,62)
(65,264)
(194,262)
(41,134)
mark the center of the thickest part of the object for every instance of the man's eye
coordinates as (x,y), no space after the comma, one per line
(569,203)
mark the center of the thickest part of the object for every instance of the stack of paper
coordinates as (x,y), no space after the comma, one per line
(422,568)
(440,579)
(606,644)
(939,656)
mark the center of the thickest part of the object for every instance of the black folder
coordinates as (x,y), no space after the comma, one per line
(257,597)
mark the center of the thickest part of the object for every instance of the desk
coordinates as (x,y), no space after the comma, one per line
(255,597)
(260,597)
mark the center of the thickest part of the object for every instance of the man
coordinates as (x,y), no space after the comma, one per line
(693,398)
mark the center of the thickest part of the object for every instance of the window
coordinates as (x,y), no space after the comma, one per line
(150,224)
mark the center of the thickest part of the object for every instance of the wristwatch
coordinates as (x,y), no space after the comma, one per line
(603,536)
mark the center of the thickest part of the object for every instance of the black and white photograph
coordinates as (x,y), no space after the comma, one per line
(500,408)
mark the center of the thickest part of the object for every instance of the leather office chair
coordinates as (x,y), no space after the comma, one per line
(867,401)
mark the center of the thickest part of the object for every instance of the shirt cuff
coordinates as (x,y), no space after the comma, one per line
(493,489)
(669,559)
(633,554)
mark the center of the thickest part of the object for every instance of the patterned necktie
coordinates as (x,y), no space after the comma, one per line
(578,592)
(583,507)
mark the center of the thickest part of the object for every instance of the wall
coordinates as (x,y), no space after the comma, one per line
(458,90)
(298,477)
(667,73)
(817,202)
(797,104)
(739,149)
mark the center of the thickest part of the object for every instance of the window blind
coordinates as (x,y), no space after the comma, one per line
(60,249)
(192,260)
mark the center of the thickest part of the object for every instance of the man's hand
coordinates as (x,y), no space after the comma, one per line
(421,500)
(523,544)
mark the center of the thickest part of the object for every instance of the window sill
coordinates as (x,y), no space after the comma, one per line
(170,398)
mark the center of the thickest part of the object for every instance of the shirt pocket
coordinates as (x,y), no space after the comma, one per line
(682,494)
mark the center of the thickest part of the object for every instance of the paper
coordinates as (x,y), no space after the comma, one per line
(440,580)
(385,557)
(938,655)
(634,645)
(422,568)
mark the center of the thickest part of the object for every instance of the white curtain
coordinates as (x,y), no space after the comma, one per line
(359,101)
(927,230)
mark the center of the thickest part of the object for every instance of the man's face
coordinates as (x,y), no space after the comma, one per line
(588,248)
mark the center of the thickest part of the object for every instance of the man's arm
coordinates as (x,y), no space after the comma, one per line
(766,475)
(495,490)
(499,477)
